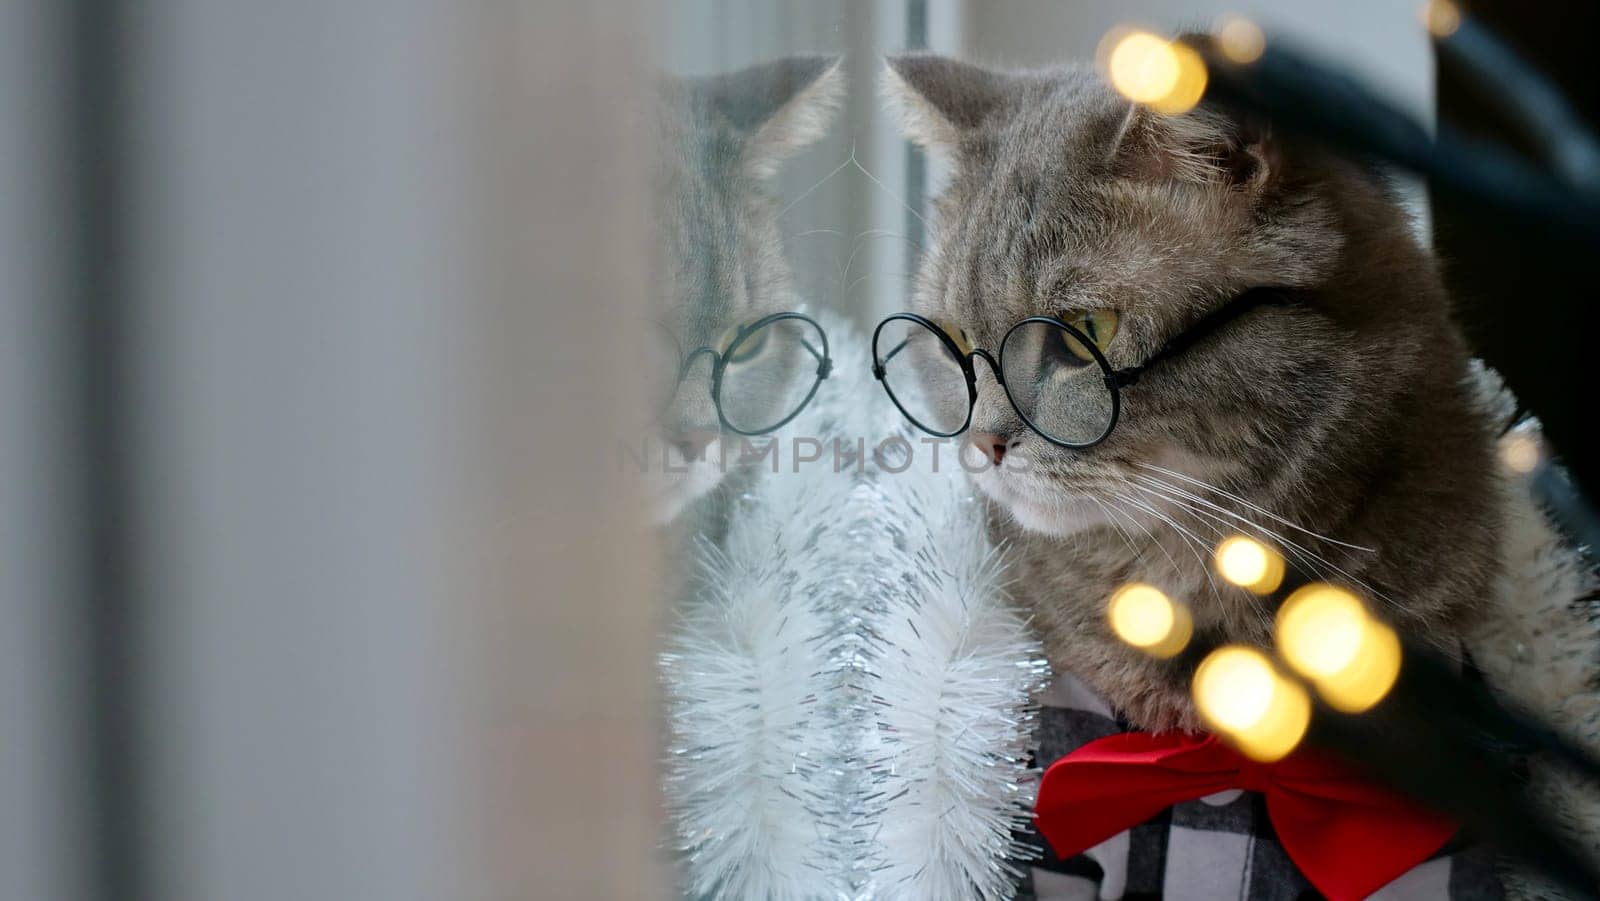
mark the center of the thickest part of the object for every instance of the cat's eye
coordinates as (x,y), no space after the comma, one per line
(746,350)
(957,334)
(1099,326)
(763,373)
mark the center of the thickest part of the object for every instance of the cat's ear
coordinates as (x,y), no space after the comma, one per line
(940,99)
(1202,146)
(777,108)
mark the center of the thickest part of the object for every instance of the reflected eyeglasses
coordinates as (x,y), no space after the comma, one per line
(1054,374)
(765,375)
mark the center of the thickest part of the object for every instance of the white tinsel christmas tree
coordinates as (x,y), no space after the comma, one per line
(849,692)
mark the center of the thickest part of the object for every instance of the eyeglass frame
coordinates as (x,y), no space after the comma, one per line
(719,364)
(1115,379)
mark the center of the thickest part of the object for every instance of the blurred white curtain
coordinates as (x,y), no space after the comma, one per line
(42,701)
(391,619)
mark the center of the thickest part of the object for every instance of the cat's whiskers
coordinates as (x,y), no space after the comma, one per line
(1192,541)
(1260,613)
(853,161)
(1312,560)
(1304,554)
(844,272)
(895,197)
(889,233)
(1126,538)
(845,285)
(1187,500)
(825,179)
(1137,487)
(1258,509)
(1134,521)
(861,278)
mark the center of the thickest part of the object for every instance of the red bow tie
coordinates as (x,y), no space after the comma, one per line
(1349,836)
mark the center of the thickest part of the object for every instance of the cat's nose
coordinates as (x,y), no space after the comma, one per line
(990,445)
(692,443)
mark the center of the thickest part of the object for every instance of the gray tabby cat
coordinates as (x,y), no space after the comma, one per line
(1342,422)
(721,262)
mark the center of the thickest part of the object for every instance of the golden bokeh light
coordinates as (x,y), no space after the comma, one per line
(1167,76)
(1240,40)
(1191,84)
(1521,453)
(1327,635)
(1144,617)
(1250,564)
(1143,67)
(1441,18)
(1244,698)
(1373,673)
(1233,687)
(1320,629)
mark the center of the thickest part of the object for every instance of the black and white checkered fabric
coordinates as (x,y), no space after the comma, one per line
(1218,847)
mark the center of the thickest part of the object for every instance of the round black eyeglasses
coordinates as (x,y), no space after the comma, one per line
(765,376)
(1055,376)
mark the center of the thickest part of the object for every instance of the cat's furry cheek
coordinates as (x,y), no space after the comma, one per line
(676,483)
(1035,510)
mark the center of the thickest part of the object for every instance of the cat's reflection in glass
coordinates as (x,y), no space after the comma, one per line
(732,357)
